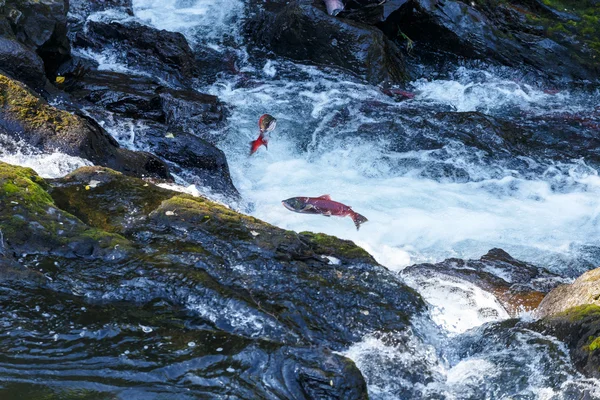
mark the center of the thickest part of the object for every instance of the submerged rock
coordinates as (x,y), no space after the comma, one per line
(306,33)
(267,299)
(25,116)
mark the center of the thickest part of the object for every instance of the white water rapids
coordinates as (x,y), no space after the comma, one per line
(548,220)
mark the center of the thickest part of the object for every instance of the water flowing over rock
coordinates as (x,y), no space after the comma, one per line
(518,286)
(27,117)
(166,54)
(177,125)
(272,292)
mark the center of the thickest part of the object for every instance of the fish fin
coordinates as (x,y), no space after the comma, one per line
(308,207)
(265,142)
(358,219)
(324,197)
(327,214)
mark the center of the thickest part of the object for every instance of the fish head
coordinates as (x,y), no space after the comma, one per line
(294,204)
(267,123)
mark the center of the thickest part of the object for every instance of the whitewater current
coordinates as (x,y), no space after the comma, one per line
(548,214)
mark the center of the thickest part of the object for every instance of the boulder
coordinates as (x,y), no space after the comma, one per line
(278,277)
(584,291)
(42,27)
(21,63)
(529,35)
(178,126)
(162,54)
(572,313)
(215,296)
(25,116)
(518,286)
(306,33)
(141,97)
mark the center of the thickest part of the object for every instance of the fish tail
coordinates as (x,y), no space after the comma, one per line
(255,144)
(358,219)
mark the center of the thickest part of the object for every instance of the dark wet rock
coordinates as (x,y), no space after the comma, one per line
(178,126)
(518,286)
(42,27)
(525,34)
(554,137)
(21,63)
(190,157)
(160,350)
(227,296)
(279,273)
(31,222)
(27,117)
(306,33)
(163,54)
(141,97)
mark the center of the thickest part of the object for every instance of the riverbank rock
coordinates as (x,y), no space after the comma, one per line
(584,291)
(557,42)
(265,305)
(518,286)
(572,313)
(162,54)
(27,117)
(21,63)
(306,33)
(42,27)
(179,126)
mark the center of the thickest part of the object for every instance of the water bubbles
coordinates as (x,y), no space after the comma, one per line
(219,349)
(191,344)
(145,329)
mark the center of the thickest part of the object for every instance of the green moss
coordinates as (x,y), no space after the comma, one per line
(580,312)
(29,214)
(20,104)
(326,244)
(594,345)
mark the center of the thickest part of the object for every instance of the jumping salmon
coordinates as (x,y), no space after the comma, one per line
(323,205)
(266,124)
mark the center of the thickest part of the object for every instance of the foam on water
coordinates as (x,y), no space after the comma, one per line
(47,165)
(198,20)
(411,219)
(457,305)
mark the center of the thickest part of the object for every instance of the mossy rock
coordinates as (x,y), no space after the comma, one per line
(25,116)
(240,259)
(31,222)
(579,327)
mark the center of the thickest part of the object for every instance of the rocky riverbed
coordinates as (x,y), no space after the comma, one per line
(144,254)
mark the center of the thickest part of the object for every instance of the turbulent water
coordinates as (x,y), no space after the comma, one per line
(423,205)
